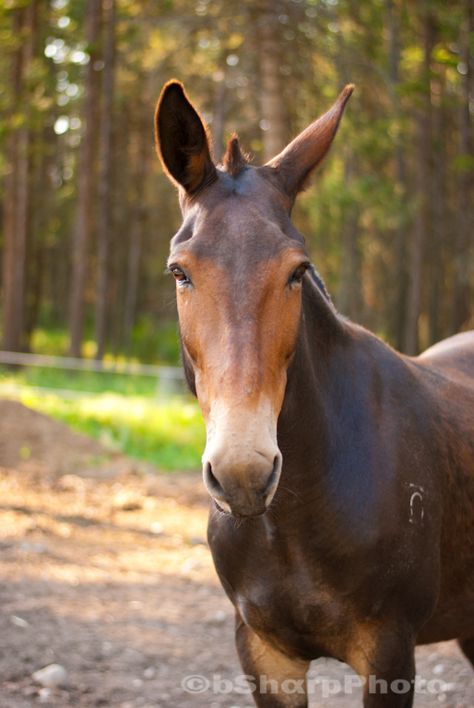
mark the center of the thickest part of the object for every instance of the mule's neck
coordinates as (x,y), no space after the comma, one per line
(324,389)
(322,343)
(341,386)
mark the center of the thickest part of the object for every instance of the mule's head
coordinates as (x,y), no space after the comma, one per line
(239,265)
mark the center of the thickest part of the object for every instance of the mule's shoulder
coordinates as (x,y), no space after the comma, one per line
(454,355)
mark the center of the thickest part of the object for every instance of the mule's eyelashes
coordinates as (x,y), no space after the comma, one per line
(297,276)
(183,279)
(179,275)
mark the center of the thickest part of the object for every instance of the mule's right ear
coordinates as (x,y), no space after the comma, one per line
(296,162)
(181,140)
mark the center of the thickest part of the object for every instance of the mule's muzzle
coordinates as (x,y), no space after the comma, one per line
(247,491)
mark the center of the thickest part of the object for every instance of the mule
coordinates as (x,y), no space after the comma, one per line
(341,472)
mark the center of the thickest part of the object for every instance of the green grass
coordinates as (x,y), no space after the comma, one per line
(122,412)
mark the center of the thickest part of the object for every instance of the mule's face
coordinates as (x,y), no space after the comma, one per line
(239,265)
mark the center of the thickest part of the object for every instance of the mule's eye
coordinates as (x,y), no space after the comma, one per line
(297,275)
(179,275)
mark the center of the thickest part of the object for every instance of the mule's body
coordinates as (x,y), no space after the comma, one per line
(369,544)
(350,467)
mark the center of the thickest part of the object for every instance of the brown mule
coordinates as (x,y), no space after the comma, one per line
(350,466)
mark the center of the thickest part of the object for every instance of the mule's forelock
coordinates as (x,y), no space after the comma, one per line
(234,160)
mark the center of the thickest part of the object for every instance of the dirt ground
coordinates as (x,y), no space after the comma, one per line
(105,571)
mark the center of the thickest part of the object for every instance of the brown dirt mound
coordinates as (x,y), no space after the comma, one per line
(28,437)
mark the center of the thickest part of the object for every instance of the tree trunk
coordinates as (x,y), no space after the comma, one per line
(401,276)
(218,118)
(105,178)
(423,189)
(41,207)
(349,298)
(86,171)
(438,211)
(17,185)
(137,233)
(464,249)
(274,115)
(133,270)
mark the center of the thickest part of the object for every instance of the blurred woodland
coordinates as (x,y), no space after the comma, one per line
(86,213)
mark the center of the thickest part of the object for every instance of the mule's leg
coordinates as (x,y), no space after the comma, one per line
(280,681)
(467,648)
(385,658)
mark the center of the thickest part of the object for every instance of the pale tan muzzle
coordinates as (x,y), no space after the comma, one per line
(242,462)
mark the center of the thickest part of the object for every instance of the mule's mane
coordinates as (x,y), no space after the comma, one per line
(320,284)
(234,160)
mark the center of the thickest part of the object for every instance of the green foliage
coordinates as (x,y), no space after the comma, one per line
(49,341)
(152,342)
(215,49)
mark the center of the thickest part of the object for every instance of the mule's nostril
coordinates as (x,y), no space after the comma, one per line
(212,483)
(273,476)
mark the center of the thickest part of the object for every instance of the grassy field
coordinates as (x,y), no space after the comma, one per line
(126,413)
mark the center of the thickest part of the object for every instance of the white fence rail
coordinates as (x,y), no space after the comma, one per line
(71,363)
(169,379)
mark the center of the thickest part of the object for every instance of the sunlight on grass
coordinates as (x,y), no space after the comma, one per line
(167,432)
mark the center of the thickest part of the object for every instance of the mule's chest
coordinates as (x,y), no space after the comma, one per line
(307,624)
(286,599)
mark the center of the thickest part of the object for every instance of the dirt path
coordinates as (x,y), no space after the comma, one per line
(108,574)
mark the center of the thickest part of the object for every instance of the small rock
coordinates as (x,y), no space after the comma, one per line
(124,501)
(150,672)
(156,528)
(438,669)
(220,617)
(51,676)
(19,621)
(44,695)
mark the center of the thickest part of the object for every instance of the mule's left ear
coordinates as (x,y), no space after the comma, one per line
(296,162)
(181,140)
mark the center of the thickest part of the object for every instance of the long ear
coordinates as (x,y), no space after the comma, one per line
(295,163)
(181,140)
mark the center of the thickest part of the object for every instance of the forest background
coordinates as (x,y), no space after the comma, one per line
(86,213)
